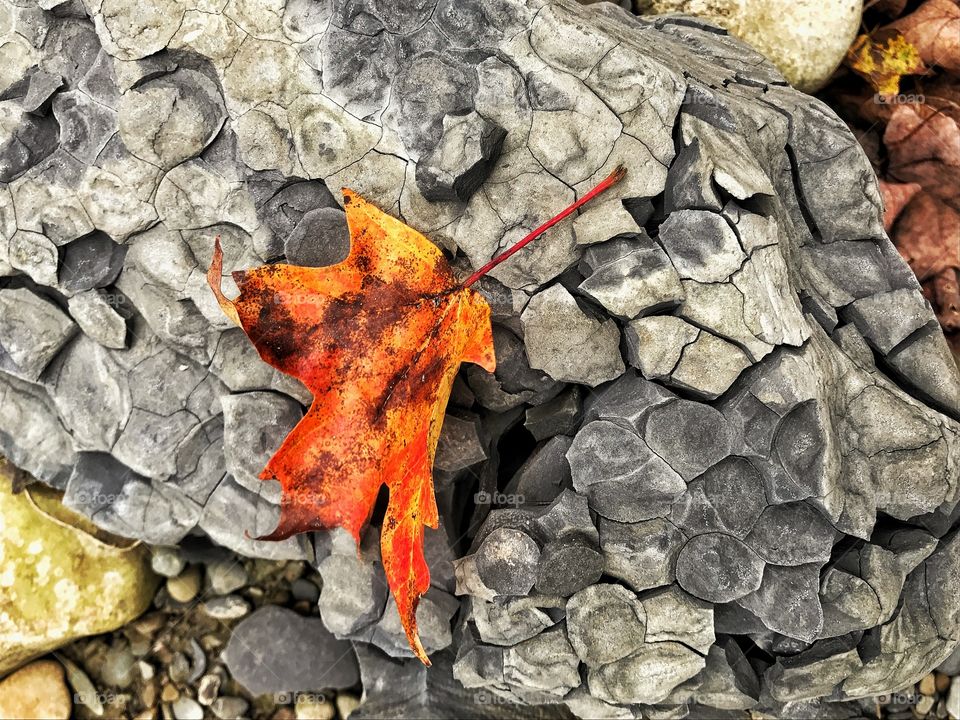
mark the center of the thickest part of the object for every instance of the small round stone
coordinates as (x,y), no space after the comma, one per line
(346,704)
(184,587)
(228,607)
(186,708)
(927,685)
(226,576)
(118,664)
(229,707)
(167,561)
(312,707)
(507,561)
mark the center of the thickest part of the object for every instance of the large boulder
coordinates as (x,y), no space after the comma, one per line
(721,398)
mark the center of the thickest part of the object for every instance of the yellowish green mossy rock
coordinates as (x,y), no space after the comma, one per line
(60,576)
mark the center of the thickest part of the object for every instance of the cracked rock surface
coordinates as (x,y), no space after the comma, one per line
(724,421)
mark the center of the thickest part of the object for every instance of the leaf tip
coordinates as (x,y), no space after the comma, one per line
(215,280)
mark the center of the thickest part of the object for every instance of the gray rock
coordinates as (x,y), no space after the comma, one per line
(233,516)
(167,561)
(275,650)
(605,623)
(690,181)
(655,344)
(98,319)
(435,613)
(673,615)
(690,437)
(354,592)
(544,475)
(27,140)
(32,331)
(647,676)
(701,245)
(630,277)
(460,444)
(567,515)
(93,261)
(718,568)
(567,343)
(171,118)
(85,125)
(320,238)
(728,682)
(787,601)
(559,416)
(728,497)
(255,424)
(507,562)
(887,319)
(622,477)
(643,554)
(35,255)
(792,534)
(543,667)
(228,707)
(604,220)
(507,621)
(567,565)
(227,607)
(458,165)
(226,576)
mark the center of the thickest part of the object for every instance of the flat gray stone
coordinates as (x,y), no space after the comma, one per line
(605,623)
(701,245)
(32,331)
(275,650)
(622,477)
(643,554)
(718,568)
(507,561)
(98,319)
(567,343)
(647,676)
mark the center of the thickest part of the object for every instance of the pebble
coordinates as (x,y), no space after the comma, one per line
(953,699)
(179,668)
(302,589)
(346,704)
(146,670)
(925,705)
(186,708)
(36,690)
(942,682)
(226,576)
(117,670)
(229,707)
(310,707)
(208,689)
(167,561)
(928,685)
(169,693)
(229,607)
(184,587)
(83,690)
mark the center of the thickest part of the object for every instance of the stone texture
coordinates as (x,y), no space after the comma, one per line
(787,379)
(275,650)
(567,343)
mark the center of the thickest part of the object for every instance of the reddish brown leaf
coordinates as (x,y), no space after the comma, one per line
(946,294)
(927,234)
(933,29)
(924,147)
(895,198)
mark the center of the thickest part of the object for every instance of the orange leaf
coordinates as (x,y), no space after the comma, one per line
(882,58)
(378,340)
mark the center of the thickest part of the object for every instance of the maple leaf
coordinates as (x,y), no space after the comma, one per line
(882,58)
(378,340)
(895,196)
(933,29)
(924,147)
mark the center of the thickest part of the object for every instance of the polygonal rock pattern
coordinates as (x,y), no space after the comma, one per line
(763,505)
